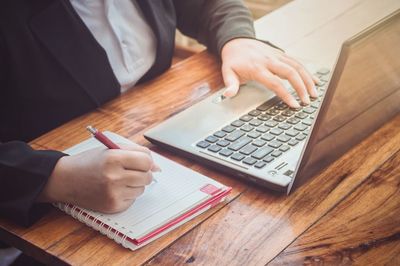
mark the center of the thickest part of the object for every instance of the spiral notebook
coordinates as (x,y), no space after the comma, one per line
(178,195)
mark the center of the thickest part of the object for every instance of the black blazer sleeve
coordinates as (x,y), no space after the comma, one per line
(23,174)
(23,171)
(214,23)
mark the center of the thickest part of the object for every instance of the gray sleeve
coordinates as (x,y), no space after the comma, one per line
(214,22)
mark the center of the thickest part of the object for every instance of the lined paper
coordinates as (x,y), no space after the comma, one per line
(176,191)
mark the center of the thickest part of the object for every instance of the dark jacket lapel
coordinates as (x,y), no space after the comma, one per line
(68,39)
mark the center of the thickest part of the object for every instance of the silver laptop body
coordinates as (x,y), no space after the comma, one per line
(257,137)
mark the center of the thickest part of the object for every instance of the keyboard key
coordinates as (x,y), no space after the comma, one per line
(214,148)
(261,153)
(300,127)
(288,113)
(240,143)
(296,109)
(237,157)
(254,134)
(301,115)
(283,138)
(249,161)
(284,126)
(275,144)
(272,111)
(212,139)
(203,144)
(223,143)
(284,148)
(246,118)
(264,106)
(228,129)
(281,106)
(292,133)
(293,142)
(307,121)
(249,149)
(301,137)
(235,135)
(271,123)
(323,71)
(226,152)
(293,120)
(264,117)
(324,78)
(268,159)
(247,128)
(262,129)
(260,164)
(267,137)
(255,113)
(237,123)
(276,153)
(308,110)
(259,142)
(255,122)
(315,105)
(276,131)
(220,134)
(279,118)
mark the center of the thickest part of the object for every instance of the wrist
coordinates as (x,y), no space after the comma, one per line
(57,185)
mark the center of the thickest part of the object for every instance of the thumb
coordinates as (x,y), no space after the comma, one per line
(231,81)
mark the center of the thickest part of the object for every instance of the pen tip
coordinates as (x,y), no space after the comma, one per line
(91,129)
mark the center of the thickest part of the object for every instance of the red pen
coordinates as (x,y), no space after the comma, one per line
(110,144)
(102,138)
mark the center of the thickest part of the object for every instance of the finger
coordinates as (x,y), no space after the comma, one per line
(286,71)
(231,81)
(136,160)
(272,82)
(316,79)
(130,194)
(134,147)
(139,148)
(304,74)
(136,178)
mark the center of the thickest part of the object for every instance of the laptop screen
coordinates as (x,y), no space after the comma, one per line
(363,94)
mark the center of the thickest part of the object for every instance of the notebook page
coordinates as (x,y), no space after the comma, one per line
(177,189)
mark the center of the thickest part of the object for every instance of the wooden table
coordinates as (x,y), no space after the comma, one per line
(349,213)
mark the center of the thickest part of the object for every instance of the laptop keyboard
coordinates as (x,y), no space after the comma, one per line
(265,133)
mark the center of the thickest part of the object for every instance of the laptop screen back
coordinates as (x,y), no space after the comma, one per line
(363,94)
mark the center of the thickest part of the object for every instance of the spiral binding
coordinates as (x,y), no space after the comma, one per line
(95,223)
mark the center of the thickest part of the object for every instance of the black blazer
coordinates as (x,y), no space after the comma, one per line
(52,69)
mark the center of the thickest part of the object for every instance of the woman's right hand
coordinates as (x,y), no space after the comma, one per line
(101,179)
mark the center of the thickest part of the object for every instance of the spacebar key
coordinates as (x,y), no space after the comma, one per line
(240,143)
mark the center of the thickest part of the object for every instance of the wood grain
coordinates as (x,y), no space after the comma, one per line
(58,238)
(363,229)
(257,226)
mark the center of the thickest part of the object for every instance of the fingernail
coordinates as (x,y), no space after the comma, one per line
(227,93)
(294,104)
(317,80)
(156,168)
(314,92)
(306,100)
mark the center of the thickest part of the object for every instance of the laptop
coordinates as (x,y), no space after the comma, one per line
(257,137)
